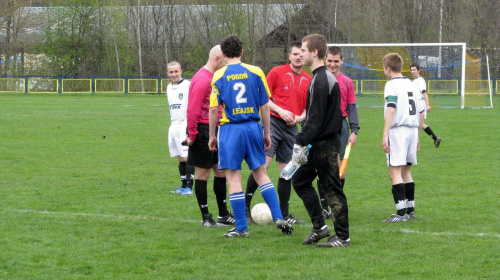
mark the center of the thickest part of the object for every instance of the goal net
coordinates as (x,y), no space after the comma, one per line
(454,78)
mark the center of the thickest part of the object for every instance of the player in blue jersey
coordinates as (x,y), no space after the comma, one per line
(242,91)
(288,84)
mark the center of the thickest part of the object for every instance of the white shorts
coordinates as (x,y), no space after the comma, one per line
(423,105)
(403,141)
(177,134)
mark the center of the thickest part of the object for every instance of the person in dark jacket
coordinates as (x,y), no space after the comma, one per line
(321,130)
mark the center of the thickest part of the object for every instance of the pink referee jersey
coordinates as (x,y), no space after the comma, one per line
(347,94)
(199,101)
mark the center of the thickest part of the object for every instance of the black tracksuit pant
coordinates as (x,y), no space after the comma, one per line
(322,162)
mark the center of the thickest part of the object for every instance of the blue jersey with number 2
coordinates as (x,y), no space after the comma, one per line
(241,89)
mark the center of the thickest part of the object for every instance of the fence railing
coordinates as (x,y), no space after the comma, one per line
(158,85)
(85,85)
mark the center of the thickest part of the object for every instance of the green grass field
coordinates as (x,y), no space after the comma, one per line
(84,194)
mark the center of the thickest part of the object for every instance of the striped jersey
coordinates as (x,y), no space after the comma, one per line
(405,96)
(177,96)
(241,89)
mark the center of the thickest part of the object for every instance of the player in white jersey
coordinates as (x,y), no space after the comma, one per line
(422,86)
(177,96)
(403,117)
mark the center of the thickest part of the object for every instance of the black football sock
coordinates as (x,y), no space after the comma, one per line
(252,187)
(189,175)
(429,131)
(342,181)
(410,196)
(284,190)
(220,192)
(398,192)
(200,189)
(182,171)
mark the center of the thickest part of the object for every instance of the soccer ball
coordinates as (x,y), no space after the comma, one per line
(261,214)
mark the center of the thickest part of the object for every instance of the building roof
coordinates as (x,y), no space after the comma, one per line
(304,22)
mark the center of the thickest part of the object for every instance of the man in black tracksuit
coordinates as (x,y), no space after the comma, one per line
(321,129)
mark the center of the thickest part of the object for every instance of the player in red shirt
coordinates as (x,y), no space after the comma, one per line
(288,85)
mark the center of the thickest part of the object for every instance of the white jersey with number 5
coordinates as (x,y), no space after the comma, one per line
(406,96)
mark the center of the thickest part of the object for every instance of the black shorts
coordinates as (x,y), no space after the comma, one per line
(199,154)
(282,138)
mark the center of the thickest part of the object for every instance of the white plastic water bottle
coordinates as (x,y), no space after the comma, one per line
(292,166)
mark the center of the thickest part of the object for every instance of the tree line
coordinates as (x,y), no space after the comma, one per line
(138,37)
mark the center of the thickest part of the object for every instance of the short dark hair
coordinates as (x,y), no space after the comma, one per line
(231,46)
(335,51)
(414,65)
(294,45)
(316,42)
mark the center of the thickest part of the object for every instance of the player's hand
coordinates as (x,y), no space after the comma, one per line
(267,143)
(352,139)
(296,120)
(385,145)
(189,142)
(287,116)
(428,108)
(299,154)
(212,144)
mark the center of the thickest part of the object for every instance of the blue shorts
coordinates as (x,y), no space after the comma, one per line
(241,141)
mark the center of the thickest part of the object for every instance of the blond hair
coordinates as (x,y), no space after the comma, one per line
(174,64)
(394,61)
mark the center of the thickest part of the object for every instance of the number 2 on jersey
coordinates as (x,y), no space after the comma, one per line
(241,88)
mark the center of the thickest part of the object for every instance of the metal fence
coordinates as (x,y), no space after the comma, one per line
(158,85)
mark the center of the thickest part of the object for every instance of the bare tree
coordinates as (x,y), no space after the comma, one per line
(16,23)
(138,37)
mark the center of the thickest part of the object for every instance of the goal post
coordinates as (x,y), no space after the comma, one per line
(490,85)
(443,65)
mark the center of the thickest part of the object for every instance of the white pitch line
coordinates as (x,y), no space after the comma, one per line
(405,230)
(94,215)
(141,217)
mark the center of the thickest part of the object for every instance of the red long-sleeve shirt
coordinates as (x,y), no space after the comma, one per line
(199,101)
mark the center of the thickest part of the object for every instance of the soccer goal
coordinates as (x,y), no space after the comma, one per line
(454,77)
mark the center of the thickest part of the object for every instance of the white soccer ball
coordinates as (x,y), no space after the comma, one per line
(261,214)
